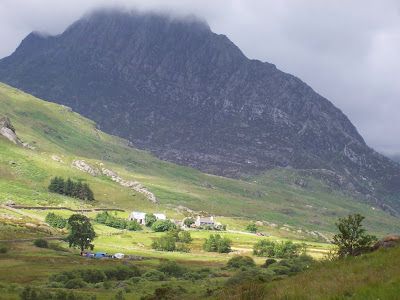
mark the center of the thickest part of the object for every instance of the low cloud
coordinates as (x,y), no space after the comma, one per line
(346,50)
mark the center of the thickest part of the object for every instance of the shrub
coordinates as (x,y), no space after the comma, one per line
(41,243)
(251,228)
(164,243)
(92,276)
(240,261)
(216,243)
(184,237)
(182,247)
(252,275)
(188,222)
(55,221)
(3,249)
(75,283)
(269,262)
(122,272)
(154,275)
(279,250)
(149,220)
(171,268)
(133,226)
(162,225)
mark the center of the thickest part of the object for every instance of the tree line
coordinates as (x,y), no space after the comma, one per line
(71,188)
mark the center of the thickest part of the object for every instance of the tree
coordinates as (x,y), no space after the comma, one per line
(188,222)
(162,225)
(81,232)
(149,220)
(352,238)
(68,187)
(251,228)
(216,243)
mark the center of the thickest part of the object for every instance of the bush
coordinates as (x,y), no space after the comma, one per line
(171,268)
(269,262)
(92,276)
(41,243)
(162,225)
(184,237)
(3,249)
(278,250)
(251,228)
(55,221)
(240,261)
(154,275)
(75,283)
(149,220)
(115,222)
(188,222)
(164,243)
(292,265)
(216,243)
(122,272)
(252,275)
(174,239)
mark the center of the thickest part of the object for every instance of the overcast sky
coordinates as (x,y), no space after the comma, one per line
(347,50)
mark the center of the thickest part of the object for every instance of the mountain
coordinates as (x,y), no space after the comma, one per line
(190,96)
(53,139)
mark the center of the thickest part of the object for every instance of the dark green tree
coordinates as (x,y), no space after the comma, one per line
(251,228)
(352,238)
(149,220)
(68,187)
(81,232)
(188,222)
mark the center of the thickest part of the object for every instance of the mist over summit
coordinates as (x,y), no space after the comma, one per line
(190,96)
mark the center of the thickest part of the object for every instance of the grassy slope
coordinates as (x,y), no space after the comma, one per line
(52,129)
(372,276)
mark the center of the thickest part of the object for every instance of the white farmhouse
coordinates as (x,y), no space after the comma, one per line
(204,221)
(138,217)
(141,216)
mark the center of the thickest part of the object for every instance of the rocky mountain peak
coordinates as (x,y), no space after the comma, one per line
(188,95)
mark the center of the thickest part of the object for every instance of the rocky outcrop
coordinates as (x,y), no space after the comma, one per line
(7,130)
(134,185)
(387,242)
(85,167)
(190,96)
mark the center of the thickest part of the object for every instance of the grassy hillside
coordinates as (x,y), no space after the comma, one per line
(372,276)
(55,130)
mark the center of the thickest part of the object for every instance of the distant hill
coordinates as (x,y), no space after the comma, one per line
(190,96)
(54,137)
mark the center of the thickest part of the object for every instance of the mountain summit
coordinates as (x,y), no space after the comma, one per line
(190,96)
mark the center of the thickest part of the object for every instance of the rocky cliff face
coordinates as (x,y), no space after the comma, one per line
(7,130)
(190,96)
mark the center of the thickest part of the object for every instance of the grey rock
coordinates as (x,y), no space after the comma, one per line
(190,96)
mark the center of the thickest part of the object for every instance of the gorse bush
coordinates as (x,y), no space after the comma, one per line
(75,189)
(171,268)
(216,243)
(115,222)
(286,249)
(55,221)
(240,261)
